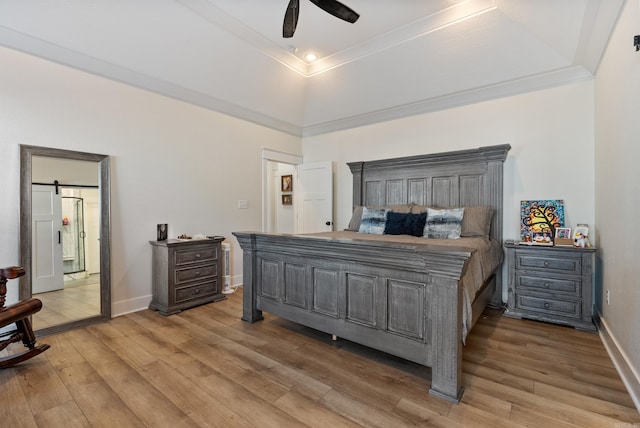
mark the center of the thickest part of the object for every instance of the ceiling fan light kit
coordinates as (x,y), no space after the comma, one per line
(333,7)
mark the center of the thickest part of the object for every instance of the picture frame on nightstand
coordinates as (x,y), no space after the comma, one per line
(563,237)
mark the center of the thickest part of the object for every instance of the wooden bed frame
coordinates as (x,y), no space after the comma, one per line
(402,299)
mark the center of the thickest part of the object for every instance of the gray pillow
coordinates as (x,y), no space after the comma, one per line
(356,217)
(444,223)
(477,221)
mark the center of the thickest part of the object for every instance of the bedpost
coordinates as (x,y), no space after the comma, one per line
(495,157)
(250,312)
(446,368)
(356,170)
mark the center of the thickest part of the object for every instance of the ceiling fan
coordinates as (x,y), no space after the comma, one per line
(333,7)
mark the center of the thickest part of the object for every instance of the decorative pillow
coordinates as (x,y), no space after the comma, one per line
(401,208)
(477,221)
(414,225)
(419,209)
(395,223)
(356,217)
(373,221)
(405,224)
(443,224)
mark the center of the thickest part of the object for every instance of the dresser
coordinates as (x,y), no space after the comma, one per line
(552,284)
(186,273)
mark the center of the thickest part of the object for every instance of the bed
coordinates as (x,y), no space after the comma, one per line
(399,294)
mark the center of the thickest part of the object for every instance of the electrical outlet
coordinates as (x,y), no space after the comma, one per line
(243,204)
(608,297)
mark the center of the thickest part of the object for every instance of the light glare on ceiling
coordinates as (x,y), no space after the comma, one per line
(310,57)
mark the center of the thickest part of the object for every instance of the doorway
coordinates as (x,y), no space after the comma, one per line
(66,249)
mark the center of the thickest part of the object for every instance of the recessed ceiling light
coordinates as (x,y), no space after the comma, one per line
(310,57)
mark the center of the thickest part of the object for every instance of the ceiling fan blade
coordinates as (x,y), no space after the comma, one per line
(290,19)
(337,9)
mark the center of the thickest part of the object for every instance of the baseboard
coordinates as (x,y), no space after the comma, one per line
(236,281)
(629,376)
(124,307)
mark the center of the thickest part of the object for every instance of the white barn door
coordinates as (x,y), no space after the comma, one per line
(315,194)
(47,266)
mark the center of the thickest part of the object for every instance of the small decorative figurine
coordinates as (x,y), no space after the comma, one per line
(581,241)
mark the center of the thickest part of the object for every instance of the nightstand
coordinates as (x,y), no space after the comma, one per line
(552,284)
(186,273)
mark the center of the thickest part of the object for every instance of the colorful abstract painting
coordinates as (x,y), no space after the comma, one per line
(539,219)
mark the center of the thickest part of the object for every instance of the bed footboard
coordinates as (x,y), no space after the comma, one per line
(405,300)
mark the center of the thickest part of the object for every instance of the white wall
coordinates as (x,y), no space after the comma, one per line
(171,162)
(550,131)
(617,186)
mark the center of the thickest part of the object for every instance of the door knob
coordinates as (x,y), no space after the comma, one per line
(328,223)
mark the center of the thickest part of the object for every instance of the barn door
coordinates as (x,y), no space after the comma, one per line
(46,230)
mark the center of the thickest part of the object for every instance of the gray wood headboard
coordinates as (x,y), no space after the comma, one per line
(449,179)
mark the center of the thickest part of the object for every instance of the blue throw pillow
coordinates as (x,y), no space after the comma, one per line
(395,224)
(405,223)
(373,221)
(414,224)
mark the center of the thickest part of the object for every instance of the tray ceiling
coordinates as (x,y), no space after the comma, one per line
(402,57)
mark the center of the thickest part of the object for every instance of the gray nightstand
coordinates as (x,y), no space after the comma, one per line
(553,284)
(186,274)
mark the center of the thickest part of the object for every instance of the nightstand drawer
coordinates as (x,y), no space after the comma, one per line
(549,306)
(571,265)
(195,273)
(193,255)
(570,286)
(195,291)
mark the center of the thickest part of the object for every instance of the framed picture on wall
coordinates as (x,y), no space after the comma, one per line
(286,182)
(287,200)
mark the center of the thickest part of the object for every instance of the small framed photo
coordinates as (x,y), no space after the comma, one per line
(287,200)
(580,232)
(286,183)
(162,232)
(563,232)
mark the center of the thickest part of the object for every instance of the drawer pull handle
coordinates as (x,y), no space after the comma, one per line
(197,291)
(197,273)
(546,264)
(198,256)
(546,285)
(546,306)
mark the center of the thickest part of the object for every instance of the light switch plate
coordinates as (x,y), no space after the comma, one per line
(243,204)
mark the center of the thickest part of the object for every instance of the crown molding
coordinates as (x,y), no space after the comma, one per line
(550,79)
(49,51)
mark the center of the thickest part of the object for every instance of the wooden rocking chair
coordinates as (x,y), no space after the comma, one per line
(19,314)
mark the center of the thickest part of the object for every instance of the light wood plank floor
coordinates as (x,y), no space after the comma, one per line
(204,367)
(79,299)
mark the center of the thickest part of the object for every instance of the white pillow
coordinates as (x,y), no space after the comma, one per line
(373,221)
(443,224)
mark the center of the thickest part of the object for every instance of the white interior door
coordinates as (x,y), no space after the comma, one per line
(47,267)
(315,181)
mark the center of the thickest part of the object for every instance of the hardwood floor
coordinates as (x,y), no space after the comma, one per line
(205,367)
(79,299)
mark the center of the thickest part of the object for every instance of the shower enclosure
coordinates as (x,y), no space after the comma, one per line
(73,235)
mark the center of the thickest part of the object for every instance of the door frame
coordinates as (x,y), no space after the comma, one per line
(271,155)
(104,182)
